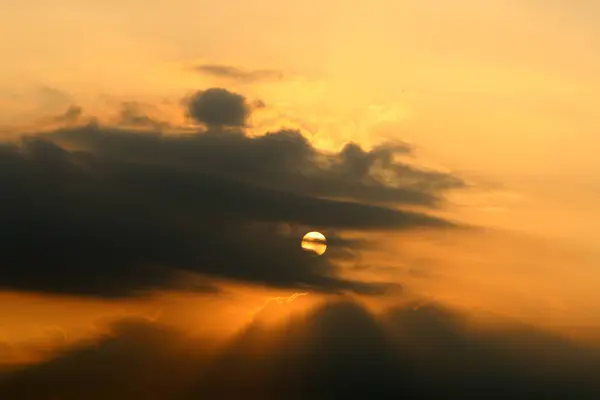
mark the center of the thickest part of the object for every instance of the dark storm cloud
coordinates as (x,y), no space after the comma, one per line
(226,71)
(218,108)
(100,211)
(338,351)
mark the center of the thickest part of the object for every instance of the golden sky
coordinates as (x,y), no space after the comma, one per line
(501,89)
(501,93)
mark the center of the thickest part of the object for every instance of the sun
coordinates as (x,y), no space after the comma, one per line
(314,242)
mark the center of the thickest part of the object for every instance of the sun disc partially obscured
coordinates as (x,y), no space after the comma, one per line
(314,242)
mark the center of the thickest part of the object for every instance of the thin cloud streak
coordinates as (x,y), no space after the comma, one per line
(237,74)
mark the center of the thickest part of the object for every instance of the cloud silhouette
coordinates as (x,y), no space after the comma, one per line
(283,160)
(218,107)
(80,223)
(100,211)
(336,351)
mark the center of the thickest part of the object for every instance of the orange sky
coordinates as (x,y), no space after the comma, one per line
(501,92)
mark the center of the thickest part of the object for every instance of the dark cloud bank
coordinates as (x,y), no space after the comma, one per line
(337,351)
(101,211)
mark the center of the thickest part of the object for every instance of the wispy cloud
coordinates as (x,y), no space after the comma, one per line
(238,74)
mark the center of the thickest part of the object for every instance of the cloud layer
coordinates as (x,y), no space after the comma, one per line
(339,350)
(93,210)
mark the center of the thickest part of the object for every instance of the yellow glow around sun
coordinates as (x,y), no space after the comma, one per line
(314,242)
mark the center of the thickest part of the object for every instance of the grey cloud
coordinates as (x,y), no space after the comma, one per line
(99,211)
(282,160)
(230,72)
(79,223)
(218,107)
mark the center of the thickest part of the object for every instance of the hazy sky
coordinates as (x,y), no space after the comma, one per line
(499,96)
